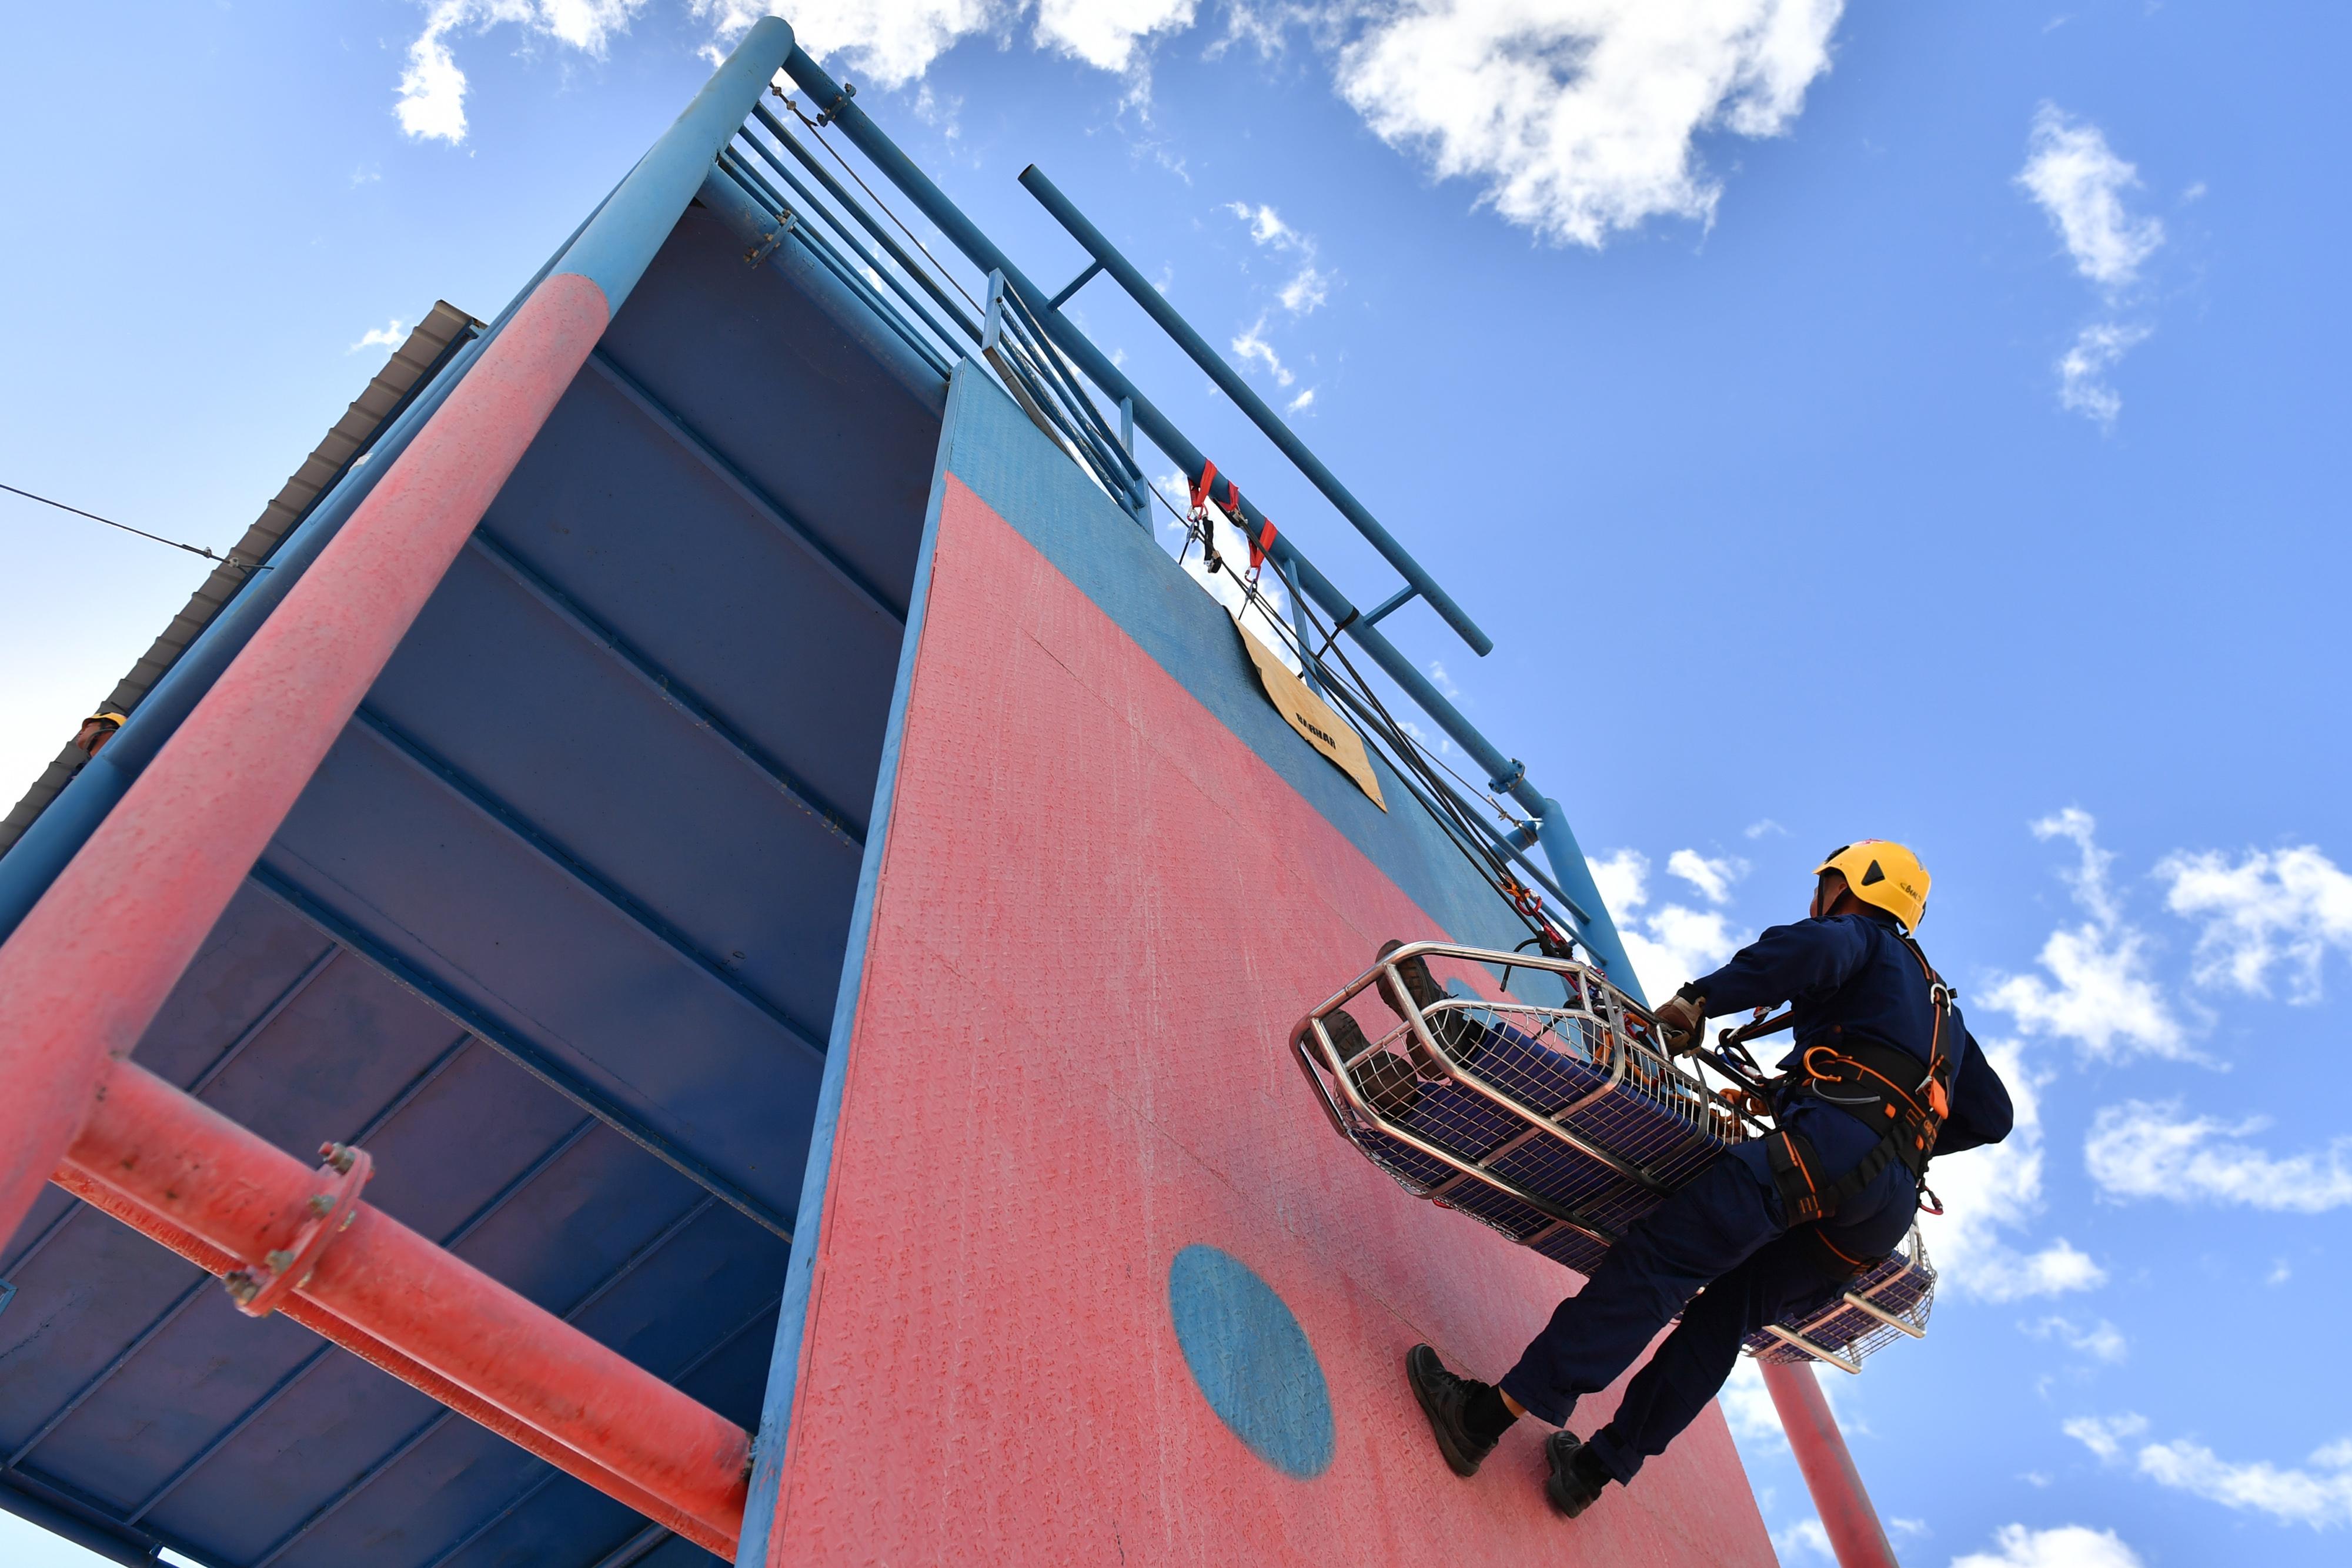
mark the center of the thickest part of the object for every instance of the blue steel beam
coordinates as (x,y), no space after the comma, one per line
(268,1015)
(1246,398)
(670,690)
(520,827)
(1506,775)
(765,506)
(532,1059)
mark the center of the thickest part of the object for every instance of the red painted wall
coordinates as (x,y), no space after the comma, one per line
(1098,916)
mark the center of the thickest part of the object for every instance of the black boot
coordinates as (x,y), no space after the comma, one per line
(1462,1038)
(1419,982)
(1577,1475)
(1446,1400)
(1385,1080)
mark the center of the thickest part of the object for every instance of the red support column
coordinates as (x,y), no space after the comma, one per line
(225,1198)
(90,967)
(1855,1534)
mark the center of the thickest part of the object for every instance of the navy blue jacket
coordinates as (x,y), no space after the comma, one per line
(1850,976)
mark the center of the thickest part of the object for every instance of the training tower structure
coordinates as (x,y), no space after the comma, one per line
(708,950)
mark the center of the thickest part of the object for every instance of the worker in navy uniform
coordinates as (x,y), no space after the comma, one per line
(1883,1074)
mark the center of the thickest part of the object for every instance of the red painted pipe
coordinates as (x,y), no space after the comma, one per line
(1855,1534)
(325,1324)
(90,965)
(168,1163)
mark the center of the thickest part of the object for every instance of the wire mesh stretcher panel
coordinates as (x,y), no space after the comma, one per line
(1557,1126)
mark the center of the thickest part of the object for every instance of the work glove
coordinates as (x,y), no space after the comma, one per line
(1682,1019)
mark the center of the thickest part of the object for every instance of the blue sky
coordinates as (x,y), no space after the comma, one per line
(1913,419)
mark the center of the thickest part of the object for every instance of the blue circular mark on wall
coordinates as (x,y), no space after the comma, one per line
(1252,1360)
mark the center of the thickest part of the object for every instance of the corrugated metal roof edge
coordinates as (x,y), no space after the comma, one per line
(426,347)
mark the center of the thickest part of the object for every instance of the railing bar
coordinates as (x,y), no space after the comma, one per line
(851,204)
(931,277)
(1034,335)
(825,253)
(794,222)
(850,239)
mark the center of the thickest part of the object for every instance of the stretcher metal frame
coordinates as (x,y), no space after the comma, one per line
(1857,1319)
(1841,1332)
(1590,996)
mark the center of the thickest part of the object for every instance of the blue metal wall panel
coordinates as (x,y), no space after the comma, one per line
(568,817)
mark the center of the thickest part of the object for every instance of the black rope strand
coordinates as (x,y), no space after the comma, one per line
(229,559)
(816,132)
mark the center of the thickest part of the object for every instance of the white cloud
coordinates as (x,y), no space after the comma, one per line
(1756,829)
(2103,998)
(1441,680)
(432,103)
(2319,1496)
(1747,1408)
(2279,1274)
(1109,36)
(1673,943)
(2285,909)
(1713,878)
(2105,1435)
(1251,345)
(1996,1188)
(391,335)
(1266,228)
(2083,385)
(1806,1536)
(1577,118)
(2140,1150)
(2067,1546)
(1309,287)
(2079,182)
(2100,1342)
(1303,401)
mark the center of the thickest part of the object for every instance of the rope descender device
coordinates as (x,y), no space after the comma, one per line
(258,1291)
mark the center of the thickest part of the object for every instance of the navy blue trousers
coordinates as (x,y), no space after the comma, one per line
(1723,1235)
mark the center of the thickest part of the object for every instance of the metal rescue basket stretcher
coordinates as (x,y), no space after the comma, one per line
(1559,1125)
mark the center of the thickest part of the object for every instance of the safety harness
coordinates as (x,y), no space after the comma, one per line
(1881,1086)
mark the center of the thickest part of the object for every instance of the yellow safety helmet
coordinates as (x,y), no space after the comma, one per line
(107,716)
(1883,873)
